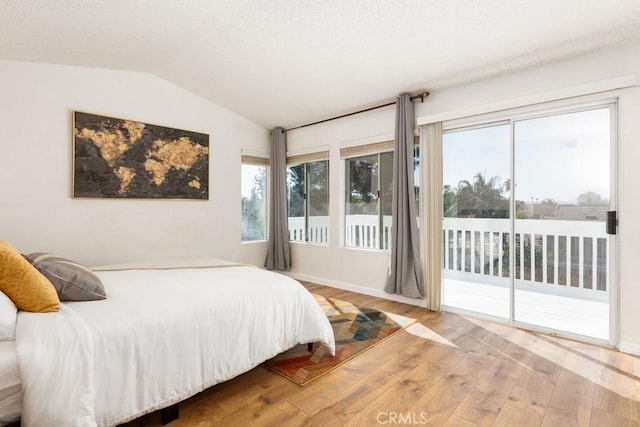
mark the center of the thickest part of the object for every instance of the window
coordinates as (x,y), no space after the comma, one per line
(308,197)
(254,198)
(368,201)
(369,190)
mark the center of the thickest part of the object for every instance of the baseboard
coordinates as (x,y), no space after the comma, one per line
(357,289)
(630,347)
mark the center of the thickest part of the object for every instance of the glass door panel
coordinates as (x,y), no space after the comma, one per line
(318,201)
(476,219)
(562,192)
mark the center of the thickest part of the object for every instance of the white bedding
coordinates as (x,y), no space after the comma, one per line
(10,390)
(161,336)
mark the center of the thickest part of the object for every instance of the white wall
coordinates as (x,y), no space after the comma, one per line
(37,212)
(366,271)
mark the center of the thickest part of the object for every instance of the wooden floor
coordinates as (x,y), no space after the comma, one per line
(444,370)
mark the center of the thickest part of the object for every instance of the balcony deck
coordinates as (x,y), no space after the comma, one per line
(575,315)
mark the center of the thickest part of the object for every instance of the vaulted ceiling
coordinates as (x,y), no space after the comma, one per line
(289,62)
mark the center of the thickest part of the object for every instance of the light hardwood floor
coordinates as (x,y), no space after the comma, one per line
(444,370)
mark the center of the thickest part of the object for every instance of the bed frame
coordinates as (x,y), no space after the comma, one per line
(170,413)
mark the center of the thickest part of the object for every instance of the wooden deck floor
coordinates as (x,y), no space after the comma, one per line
(444,370)
(559,312)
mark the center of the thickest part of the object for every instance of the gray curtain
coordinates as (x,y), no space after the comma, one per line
(278,252)
(405,272)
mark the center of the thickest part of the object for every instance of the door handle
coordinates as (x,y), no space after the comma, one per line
(612,222)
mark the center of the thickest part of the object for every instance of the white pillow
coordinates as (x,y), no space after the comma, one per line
(8,318)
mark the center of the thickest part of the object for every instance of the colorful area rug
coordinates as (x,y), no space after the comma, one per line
(355,329)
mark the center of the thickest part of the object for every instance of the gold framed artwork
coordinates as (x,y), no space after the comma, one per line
(119,158)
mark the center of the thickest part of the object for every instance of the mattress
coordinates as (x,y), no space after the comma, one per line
(10,389)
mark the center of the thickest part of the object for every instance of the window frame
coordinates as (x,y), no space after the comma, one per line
(367,148)
(305,160)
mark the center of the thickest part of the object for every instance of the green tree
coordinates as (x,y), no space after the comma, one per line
(591,199)
(258,191)
(363,185)
(449,201)
(308,183)
(318,187)
(478,198)
(253,209)
(295,184)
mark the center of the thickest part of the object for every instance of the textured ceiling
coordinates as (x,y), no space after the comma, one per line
(289,62)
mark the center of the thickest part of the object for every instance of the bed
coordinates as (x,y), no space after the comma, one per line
(10,390)
(166,331)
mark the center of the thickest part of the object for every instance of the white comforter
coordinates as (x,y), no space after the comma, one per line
(161,336)
(10,389)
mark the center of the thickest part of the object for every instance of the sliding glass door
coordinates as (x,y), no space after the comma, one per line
(562,195)
(476,219)
(524,227)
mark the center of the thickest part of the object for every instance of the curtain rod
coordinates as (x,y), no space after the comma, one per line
(421,96)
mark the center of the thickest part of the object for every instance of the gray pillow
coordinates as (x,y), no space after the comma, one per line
(73,282)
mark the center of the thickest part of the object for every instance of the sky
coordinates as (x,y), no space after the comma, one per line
(555,157)
(249,173)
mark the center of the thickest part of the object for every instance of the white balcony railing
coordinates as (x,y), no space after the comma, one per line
(552,255)
(363,231)
(318,229)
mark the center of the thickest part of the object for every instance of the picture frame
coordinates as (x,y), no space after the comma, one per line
(125,159)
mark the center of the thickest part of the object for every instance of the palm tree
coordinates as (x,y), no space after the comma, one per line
(480,198)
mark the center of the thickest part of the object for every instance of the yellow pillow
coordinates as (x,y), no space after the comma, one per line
(24,284)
